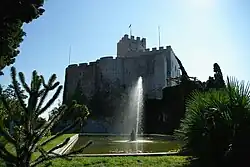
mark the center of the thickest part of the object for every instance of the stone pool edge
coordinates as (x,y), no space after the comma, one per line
(75,138)
(130,154)
(68,146)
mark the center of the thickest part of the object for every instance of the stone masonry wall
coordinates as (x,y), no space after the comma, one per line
(154,65)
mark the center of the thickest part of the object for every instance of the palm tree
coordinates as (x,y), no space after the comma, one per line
(216,127)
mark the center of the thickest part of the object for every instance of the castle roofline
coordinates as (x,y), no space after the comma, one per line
(153,50)
(138,39)
(158,49)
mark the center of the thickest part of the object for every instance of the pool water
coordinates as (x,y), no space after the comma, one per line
(106,144)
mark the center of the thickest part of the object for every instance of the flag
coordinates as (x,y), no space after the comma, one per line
(129,26)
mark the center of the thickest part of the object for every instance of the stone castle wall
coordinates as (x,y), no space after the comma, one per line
(154,65)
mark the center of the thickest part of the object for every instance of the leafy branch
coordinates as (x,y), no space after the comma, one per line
(27,134)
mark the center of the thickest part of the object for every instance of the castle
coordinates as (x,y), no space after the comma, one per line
(134,59)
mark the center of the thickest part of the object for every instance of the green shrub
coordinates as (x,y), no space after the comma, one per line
(216,127)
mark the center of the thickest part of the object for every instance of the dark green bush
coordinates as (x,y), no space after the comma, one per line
(216,127)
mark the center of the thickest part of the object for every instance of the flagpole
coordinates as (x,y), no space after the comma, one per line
(130,31)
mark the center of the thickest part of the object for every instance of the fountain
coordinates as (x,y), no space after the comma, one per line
(137,93)
(132,140)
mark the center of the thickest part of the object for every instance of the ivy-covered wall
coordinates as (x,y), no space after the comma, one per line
(163,116)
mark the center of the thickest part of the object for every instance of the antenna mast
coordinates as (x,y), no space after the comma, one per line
(69,53)
(159,35)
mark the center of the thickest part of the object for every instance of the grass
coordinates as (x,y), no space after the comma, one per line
(47,147)
(139,161)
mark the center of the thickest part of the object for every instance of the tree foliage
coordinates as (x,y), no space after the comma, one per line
(13,14)
(216,126)
(13,103)
(79,97)
(9,92)
(216,82)
(27,134)
(107,99)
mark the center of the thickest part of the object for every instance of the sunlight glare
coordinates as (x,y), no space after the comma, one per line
(202,3)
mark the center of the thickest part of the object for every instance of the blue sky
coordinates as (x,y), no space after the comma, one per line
(201,32)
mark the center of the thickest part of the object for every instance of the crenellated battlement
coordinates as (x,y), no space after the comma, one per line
(73,65)
(133,39)
(127,44)
(123,45)
(90,64)
(83,65)
(80,65)
(155,49)
(111,58)
(107,58)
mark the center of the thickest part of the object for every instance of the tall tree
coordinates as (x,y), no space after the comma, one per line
(13,14)
(12,101)
(26,137)
(218,77)
(55,110)
(9,92)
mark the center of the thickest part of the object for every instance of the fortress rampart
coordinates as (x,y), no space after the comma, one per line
(133,59)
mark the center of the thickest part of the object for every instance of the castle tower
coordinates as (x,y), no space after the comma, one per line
(127,44)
